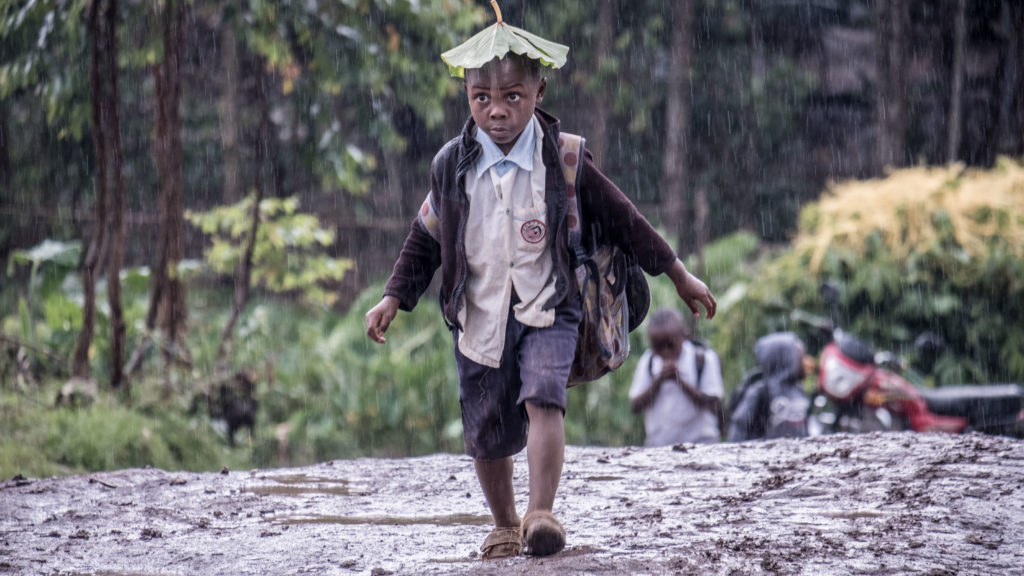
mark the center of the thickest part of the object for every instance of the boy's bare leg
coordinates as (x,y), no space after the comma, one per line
(496,480)
(545,452)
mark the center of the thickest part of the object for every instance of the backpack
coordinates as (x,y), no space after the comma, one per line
(614,292)
(750,378)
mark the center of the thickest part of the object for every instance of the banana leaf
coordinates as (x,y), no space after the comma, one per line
(496,41)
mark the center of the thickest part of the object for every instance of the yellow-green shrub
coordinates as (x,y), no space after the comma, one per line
(924,249)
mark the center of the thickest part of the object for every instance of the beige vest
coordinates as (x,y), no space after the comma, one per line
(507,244)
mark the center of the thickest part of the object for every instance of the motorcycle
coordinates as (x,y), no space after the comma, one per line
(860,389)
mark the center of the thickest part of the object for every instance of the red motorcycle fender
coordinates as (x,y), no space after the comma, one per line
(840,377)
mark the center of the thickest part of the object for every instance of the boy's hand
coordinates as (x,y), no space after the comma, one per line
(668,371)
(692,290)
(379,318)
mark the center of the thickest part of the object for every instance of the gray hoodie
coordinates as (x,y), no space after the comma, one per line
(773,405)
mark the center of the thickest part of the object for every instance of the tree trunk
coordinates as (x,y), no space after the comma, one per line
(5,148)
(675,161)
(892,24)
(955,118)
(1006,85)
(243,280)
(115,196)
(264,136)
(1017,29)
(264,181)
(701,228)
(94,254)
(749,217)
(167,294)
(228,108)
(597,134)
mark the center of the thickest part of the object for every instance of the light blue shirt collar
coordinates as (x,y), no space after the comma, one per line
(520,155)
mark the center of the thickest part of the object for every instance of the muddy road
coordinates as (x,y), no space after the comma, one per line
(870,504)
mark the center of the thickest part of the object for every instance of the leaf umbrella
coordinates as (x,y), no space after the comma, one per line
(498,40)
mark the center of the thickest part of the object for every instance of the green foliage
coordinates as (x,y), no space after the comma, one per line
(47,309)
(325,391)
(47,41)
(60,257)
(349,69)
(37,439)
(936,251)
(288,254)
(45,313)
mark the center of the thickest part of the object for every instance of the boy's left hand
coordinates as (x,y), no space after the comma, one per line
(692,290)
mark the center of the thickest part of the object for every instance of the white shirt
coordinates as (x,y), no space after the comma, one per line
(673,417)
(506,245)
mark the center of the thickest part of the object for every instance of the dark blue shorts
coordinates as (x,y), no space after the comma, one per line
(534,368)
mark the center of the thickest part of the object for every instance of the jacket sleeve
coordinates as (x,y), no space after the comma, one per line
(419,258)
(619,222)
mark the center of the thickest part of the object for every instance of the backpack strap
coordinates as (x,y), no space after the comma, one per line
(570,154)
(699,349)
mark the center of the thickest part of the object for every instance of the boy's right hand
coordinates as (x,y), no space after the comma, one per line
(379,318)
(691,290)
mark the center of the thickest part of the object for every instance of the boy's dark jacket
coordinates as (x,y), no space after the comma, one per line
(603,206)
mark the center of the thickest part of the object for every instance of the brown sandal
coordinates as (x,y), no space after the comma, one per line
(502,543)
(542,533)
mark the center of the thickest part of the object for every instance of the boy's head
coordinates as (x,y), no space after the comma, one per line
(503,93)
(667,329)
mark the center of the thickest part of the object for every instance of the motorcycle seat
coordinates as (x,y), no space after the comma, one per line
(855,349)
(991,401)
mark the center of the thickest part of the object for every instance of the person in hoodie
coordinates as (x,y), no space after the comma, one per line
(772,404)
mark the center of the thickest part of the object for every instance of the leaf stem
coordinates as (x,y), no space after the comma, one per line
(497,11)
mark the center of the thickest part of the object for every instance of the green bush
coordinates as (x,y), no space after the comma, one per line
(325,391)
(37,439)
(936,250)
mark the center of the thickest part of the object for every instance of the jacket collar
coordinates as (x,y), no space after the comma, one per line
(521,153)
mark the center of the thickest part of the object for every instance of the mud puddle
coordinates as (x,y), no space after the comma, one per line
(868,504)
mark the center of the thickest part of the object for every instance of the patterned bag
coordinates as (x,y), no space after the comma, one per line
(614,291)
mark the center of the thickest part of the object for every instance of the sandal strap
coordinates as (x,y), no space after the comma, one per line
(500,536)
(502,542)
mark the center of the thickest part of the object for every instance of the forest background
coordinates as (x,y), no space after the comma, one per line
(199,200)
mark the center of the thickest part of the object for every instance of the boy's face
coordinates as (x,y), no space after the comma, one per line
(502,97)
(666,343)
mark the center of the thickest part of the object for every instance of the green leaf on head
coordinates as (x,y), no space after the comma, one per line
(496,41)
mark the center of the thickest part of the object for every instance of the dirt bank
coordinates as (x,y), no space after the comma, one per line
(869,504)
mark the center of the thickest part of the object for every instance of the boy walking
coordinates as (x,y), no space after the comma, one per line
(495,221)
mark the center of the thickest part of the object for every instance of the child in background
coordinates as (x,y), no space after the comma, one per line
(677,384)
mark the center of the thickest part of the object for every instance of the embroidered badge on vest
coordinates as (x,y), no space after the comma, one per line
(533,231)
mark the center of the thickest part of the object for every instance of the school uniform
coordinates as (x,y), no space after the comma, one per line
(497,225)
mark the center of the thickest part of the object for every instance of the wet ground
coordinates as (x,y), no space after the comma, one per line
(869,504)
